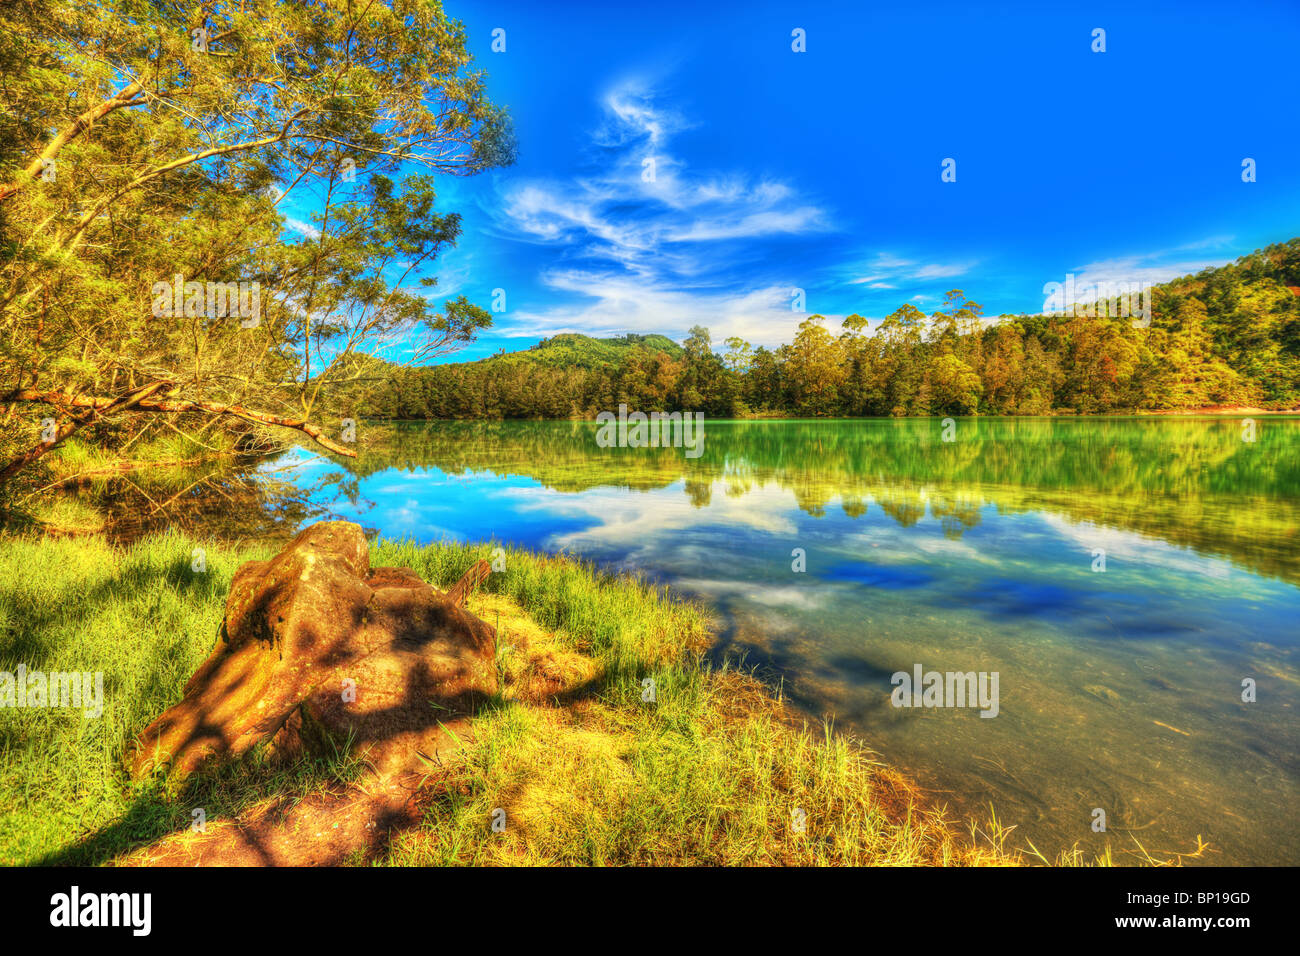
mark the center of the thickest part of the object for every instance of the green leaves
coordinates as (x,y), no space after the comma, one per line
(166,126)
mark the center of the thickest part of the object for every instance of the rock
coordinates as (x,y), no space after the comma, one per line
(316,648)
(1102,693)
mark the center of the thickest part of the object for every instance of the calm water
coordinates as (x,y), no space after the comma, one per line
(1119,689)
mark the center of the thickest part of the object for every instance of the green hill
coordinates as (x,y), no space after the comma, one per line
(571,350)
(1251,311)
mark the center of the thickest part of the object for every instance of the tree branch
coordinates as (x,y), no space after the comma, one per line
(67,429)
(141,402)
(124,97)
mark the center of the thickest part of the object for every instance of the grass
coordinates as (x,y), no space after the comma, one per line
(81,459)
(145,620)
(587,764)
(587,770)
(63,514)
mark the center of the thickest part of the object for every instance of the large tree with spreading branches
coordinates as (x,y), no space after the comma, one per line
(287,150)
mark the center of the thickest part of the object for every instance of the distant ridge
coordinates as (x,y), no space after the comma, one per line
(573,350)
(566,350)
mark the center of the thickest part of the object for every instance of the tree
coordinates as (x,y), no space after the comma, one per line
(955,387)
(739,355)
(815,369)
(1183,370)
(698,344)
(1004,370)
(1102,356)
(1226,335)
(168,143)
(900,332)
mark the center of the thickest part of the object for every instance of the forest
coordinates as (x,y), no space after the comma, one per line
(1227,336)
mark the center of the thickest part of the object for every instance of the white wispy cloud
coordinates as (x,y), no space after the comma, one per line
(656,518)
(648,244)
(305,228)
(1137,548)
(1137,269)
(942,271)
(1149,268)
(888,271)
(615,304)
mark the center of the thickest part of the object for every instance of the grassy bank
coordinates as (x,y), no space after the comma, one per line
(712,770)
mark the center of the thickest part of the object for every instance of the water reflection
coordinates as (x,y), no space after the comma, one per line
(1120,689)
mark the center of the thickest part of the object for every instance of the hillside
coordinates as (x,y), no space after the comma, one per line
(1226,336)
(1252,313)
(567,350)
(571,350)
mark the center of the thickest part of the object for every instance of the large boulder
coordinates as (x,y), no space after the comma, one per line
(316,648)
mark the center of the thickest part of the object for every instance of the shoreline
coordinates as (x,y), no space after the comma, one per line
(1209,410)
(717,769)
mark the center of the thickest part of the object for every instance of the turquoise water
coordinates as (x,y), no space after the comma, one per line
(1119,688)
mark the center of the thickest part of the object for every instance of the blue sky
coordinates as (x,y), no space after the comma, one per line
(776,170)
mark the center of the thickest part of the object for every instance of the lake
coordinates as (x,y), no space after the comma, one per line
(1122,576)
